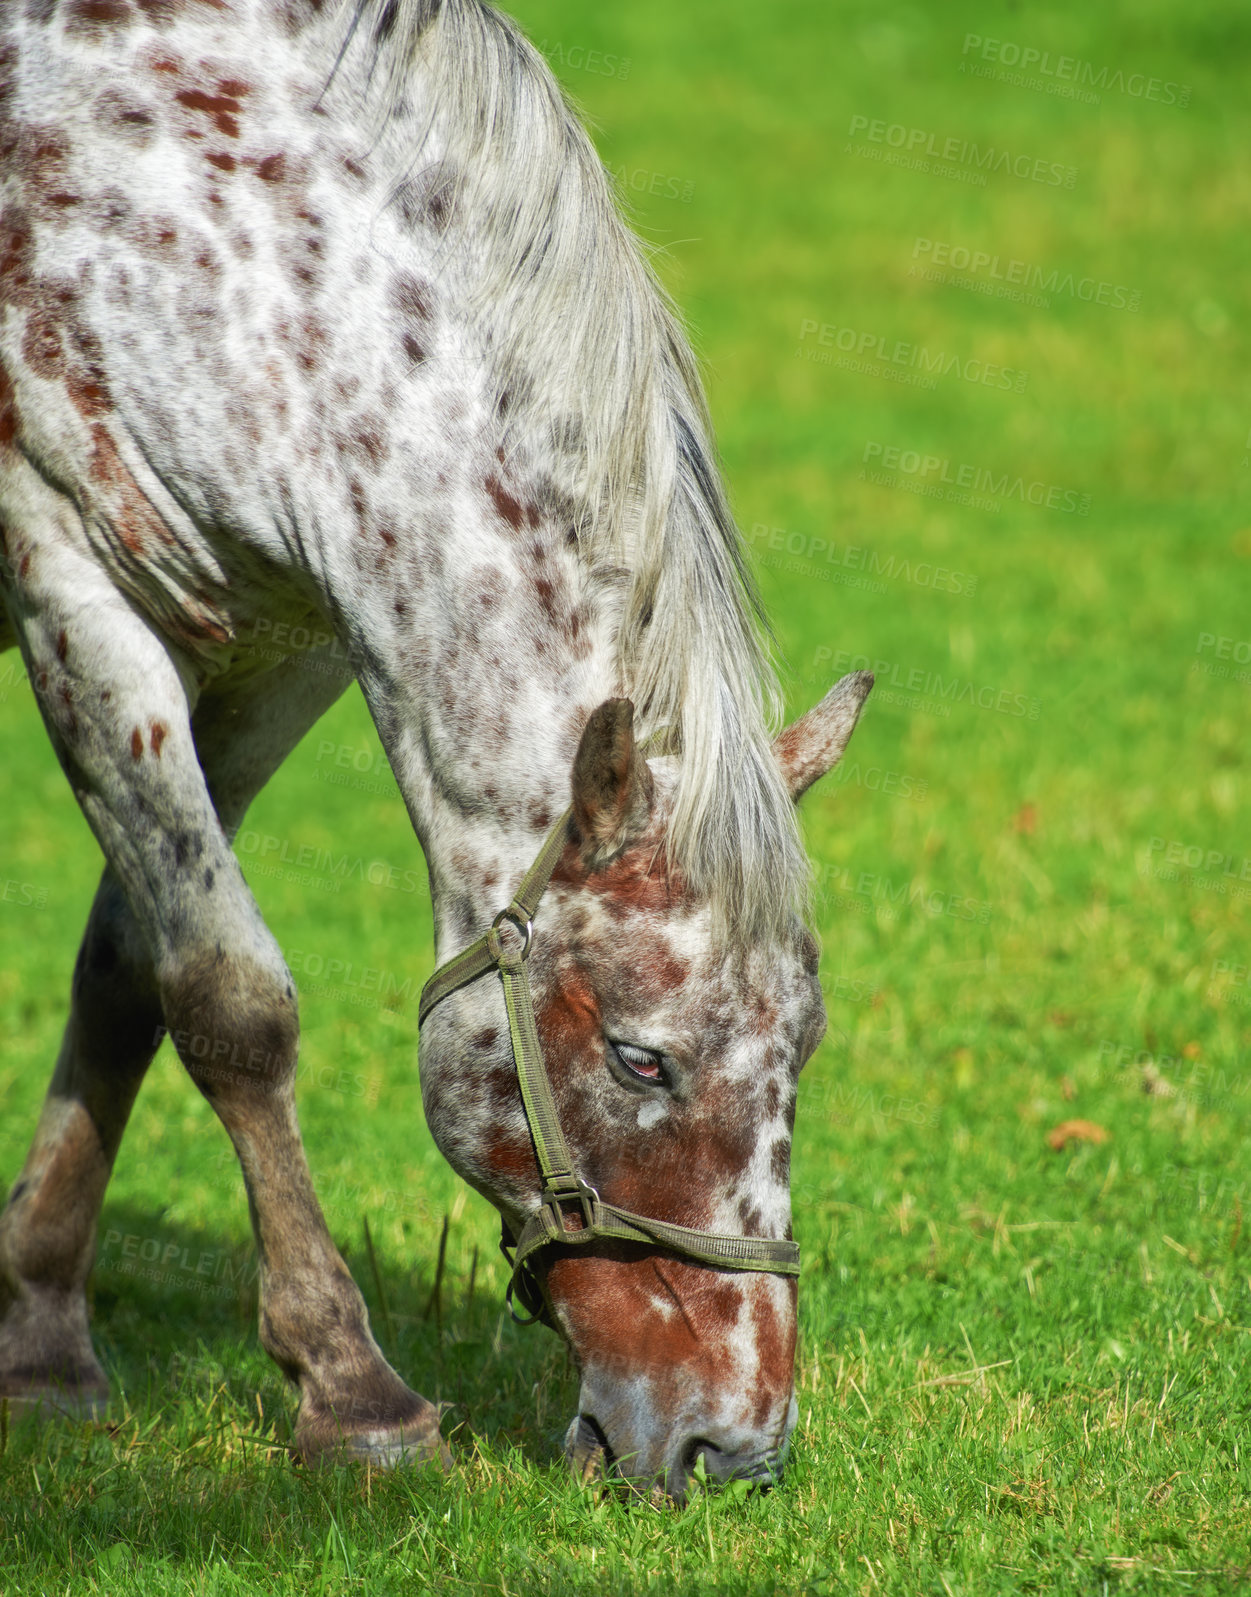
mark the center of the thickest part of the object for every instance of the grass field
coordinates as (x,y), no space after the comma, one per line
(1021,1369)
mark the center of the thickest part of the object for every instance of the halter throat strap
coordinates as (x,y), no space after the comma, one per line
(570,1211)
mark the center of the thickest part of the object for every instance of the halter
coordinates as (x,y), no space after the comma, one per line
(570,1211)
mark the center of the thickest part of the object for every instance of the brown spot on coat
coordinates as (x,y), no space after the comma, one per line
(159,732)
(138,524)
(222,108)
(272,169)
(127,116)
(411,296)
(9,417)
(16,257)
(136,744)
(509,508)
(62,646)
(41,345)
(780,1162)
(69,719)
(85,15)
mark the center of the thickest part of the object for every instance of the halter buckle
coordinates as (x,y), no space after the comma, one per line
(572,1189)
(525,927)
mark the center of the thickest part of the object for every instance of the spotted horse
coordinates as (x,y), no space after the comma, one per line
(319,322)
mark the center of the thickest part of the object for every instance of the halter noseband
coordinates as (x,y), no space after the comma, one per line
(565,1196)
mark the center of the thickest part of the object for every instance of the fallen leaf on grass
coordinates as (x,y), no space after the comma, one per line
(1076,1131)
(1025,820)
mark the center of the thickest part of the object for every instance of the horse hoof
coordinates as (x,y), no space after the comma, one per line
(399,1448)
(46,1401)
(393,1444)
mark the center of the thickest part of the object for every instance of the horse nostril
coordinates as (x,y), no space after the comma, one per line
(587,1449)
(763,1469)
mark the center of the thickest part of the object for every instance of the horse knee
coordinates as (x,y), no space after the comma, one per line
(115,1006)
(235,1024)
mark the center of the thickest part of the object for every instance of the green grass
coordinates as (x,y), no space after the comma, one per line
(1020,1369)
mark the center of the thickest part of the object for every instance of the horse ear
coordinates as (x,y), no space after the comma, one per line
(612,786)
(814,744)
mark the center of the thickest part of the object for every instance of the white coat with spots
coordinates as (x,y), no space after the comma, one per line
(319,327)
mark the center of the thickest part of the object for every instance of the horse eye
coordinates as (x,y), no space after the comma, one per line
(642,1062)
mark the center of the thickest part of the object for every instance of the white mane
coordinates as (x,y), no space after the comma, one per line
(594,362)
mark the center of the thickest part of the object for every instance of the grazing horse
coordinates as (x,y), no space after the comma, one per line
(319,320)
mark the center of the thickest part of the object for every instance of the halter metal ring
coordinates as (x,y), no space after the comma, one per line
(573,1190)
(525,927)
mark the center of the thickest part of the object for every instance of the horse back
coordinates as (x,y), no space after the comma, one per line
(196,345)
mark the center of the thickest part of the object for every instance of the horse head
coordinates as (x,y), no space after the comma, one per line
(673,1049)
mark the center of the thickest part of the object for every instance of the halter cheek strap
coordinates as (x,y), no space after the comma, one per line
(570,1211)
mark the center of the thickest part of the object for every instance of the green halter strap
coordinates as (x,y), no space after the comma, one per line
(570,1210)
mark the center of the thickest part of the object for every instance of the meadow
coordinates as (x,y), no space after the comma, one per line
(986,427)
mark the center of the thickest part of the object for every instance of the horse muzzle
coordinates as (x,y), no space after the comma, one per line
(661,1468)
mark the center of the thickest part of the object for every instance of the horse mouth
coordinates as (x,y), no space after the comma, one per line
(593,1462)
(586,1448)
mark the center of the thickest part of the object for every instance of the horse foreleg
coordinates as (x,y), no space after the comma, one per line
(233,1017)
(117,707)
(48,1229)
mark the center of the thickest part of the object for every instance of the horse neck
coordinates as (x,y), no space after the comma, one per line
(485,655)
(483,631)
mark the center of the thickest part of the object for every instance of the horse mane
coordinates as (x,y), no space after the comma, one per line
(587,352)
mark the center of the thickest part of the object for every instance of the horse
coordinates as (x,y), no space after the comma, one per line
(322,320)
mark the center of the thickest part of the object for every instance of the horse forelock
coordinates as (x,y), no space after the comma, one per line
(598,392)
